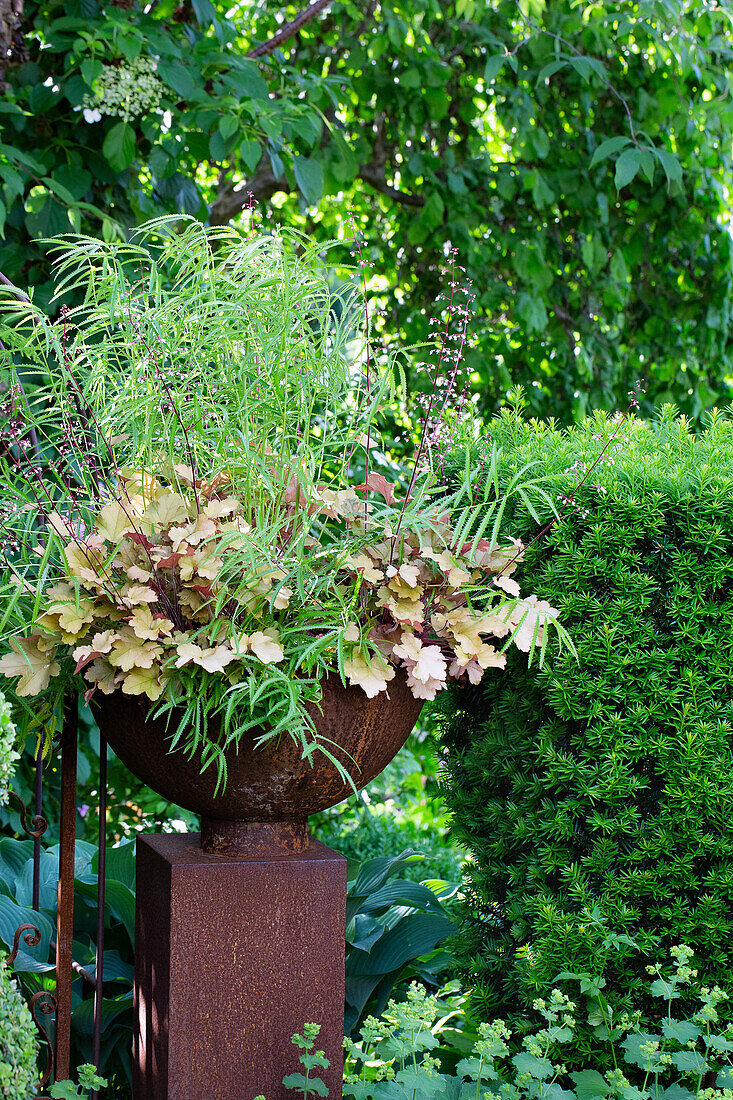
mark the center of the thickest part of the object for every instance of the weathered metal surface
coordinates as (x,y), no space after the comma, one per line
(65,917)
(272,782)
(101,872)
(253,837)
(233,955)
(44,1002)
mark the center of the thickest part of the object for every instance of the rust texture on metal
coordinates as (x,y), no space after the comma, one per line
(38,824)
(255,837)
(32,938)
(44,1002)
(233,955)
(101,874)
(65,917)
(273,782)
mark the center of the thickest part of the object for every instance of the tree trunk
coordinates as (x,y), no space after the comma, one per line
(11,37)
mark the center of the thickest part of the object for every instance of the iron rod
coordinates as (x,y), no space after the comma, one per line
(37,839)
(65,918)
(101,864)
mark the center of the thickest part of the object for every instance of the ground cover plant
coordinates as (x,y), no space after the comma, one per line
(186,524)
(686,1053)
(605,782)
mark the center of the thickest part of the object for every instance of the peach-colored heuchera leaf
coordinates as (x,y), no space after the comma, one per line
(168,509)
(34,666)
(115,521)
(130,652)
(370,677)
(265,644)
(101,674)
(148,626)
(528,616)
(215,509)
(364,564)
(378,484)
(143,681)
(507,585)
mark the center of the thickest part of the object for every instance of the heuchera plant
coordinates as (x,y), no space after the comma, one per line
(194,515)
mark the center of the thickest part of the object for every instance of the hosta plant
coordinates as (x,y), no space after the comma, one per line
(195,512)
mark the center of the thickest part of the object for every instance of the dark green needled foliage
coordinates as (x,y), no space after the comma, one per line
(606,782)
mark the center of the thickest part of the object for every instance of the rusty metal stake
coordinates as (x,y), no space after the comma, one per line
(101,871)
(37,838)
(65,918)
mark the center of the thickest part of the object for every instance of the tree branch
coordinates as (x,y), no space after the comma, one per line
(289,29)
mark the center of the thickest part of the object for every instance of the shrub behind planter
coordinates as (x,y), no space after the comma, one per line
(606,783)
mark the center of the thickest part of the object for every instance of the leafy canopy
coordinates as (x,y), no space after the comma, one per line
(576,156)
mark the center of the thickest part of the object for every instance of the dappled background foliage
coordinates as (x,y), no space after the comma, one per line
(575,155)
(605,783)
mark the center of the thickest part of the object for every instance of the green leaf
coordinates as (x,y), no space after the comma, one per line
(373,873)
(683,1031)
(532,311)
(412,937)
(29,958)
(432,212)
(251,153)
(493,67)
(59,190)
(662,988)
(119,146)
(627,165)
(112,1008)
(634,1055)
(607,148)
(297,1081)
(689,1061)
(670,164)
(539,1068)
(245,79)
(229,125)
(541,191)
(205,12)
(309,178)
(177,77)
(550,70)
(409,79)
(590,1083)
(347,165)
(582,67)
(91,70)
(618,269)
(77,181)
(120,863)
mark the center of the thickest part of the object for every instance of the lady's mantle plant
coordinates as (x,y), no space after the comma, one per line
(194,514)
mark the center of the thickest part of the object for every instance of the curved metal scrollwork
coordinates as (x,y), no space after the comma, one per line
(32,938)
(44,1002)
(38,823)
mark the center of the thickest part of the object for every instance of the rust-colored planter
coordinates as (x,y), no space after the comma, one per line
(269,791)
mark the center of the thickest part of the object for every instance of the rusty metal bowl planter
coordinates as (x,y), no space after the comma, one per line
(271,790)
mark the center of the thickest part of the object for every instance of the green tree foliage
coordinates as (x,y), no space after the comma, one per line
(606,783)
(574,154)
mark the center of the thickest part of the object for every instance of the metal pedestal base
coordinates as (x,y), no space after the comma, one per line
(233,954)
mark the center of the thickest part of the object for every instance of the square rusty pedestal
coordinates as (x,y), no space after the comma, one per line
(233,954)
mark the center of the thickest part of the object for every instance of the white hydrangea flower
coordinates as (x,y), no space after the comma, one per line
(126,91)
(8,754)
